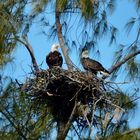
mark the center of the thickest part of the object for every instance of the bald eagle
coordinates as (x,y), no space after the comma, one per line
(92,65)
(54,58)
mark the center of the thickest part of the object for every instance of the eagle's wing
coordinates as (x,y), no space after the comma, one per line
(48,59)
(94,66)
(98,67)
(88,65)
(60,60)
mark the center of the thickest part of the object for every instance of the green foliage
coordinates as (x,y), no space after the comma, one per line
(61,5)
(28,114)
(126,101)
(130,24)
(21,118)
(38,6)
(20,115)
(133,68)
(87,8)
(11,17)
(128,135)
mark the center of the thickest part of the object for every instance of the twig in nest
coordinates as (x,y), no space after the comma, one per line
(85,115)
(49,94)
(94,108)
(109,102)
(76,93)
(74,80)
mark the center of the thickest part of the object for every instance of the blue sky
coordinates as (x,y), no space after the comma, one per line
(20,68)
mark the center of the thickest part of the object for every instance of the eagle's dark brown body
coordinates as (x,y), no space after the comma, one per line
(93,66)
(54,59)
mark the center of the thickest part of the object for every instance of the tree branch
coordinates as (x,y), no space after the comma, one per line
(124,60)
(61,39)
(14,125)
(30,50)
(138,34)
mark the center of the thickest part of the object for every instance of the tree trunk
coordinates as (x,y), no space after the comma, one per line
(63,127)
(62,131)
(61,39)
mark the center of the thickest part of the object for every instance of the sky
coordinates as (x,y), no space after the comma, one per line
(21,66)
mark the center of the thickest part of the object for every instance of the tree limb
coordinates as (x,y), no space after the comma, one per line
(124,60)
(30,50)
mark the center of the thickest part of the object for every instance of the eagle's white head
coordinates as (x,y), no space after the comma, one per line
(85,54)
(54,47)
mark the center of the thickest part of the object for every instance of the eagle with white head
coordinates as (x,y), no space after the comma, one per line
(54,58)
(92,65)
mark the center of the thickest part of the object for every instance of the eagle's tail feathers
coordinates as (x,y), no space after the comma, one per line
(105,73)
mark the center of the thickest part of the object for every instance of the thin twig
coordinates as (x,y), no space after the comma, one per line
(94,108)
(108,101)
(76,132)
(76,93)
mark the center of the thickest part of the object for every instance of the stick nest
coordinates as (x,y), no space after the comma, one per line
(62,91)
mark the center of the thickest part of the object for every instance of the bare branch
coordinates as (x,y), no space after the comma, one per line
(30,50)
(124,60)
(128,57)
